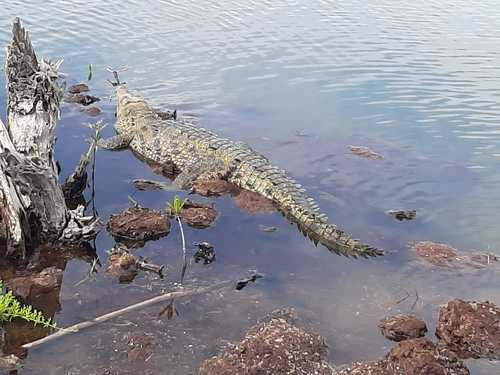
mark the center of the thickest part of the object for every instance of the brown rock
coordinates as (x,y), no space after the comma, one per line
(78,89)
(471,329)
(138,224)
(254,203)
(273,347)
(421,356)
(214,188)
(81,99)
(198,215)
(41,290)
(412,357)
(402,327)
(92,111)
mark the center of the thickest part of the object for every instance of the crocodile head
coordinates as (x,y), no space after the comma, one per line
(130,111)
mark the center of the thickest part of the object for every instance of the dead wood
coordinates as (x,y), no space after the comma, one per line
(32,201)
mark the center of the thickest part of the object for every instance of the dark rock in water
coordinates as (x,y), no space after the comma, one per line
(92,111)
(205,253)
(78,89)
(254,203)
(470,329)
(81,99)
(198,215)
(402,327)
(214,188)
(403,214)
(273,347)
(167,115)
(412,357)
(138,224)
(243,283)
(41,290)
(140,348)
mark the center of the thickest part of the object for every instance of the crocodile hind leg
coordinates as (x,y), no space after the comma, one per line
(115,143)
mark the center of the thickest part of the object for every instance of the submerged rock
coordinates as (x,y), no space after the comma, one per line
(138,224)
(444,255)
(365,152)
(273,347)
(214,188)
(81,99)
(254,203)
(412,357)
(167,115)
(402,327)
(92,111)
(471,329)
(78,89)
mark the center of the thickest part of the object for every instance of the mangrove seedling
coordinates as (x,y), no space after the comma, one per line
(11,308)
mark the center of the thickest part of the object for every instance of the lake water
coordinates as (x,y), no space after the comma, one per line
(416,81)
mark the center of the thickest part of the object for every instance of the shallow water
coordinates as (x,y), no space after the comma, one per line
(416,81)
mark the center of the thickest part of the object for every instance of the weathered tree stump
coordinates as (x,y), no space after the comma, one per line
(32,203)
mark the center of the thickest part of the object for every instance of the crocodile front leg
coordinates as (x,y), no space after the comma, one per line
(115,143)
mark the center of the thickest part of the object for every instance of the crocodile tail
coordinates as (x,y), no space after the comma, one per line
(315,226)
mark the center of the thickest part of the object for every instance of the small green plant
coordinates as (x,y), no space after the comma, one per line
(90,72)
(176,206)
(11,308)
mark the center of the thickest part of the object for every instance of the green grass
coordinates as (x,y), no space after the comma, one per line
(11,308)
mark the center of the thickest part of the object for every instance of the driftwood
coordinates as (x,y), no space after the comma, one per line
(32,202)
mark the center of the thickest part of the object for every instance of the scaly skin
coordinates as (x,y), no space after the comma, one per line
(200,154)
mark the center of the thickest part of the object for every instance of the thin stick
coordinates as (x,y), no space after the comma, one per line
(184,258)
(103,318)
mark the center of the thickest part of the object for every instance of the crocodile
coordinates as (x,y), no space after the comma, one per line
(201,155)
